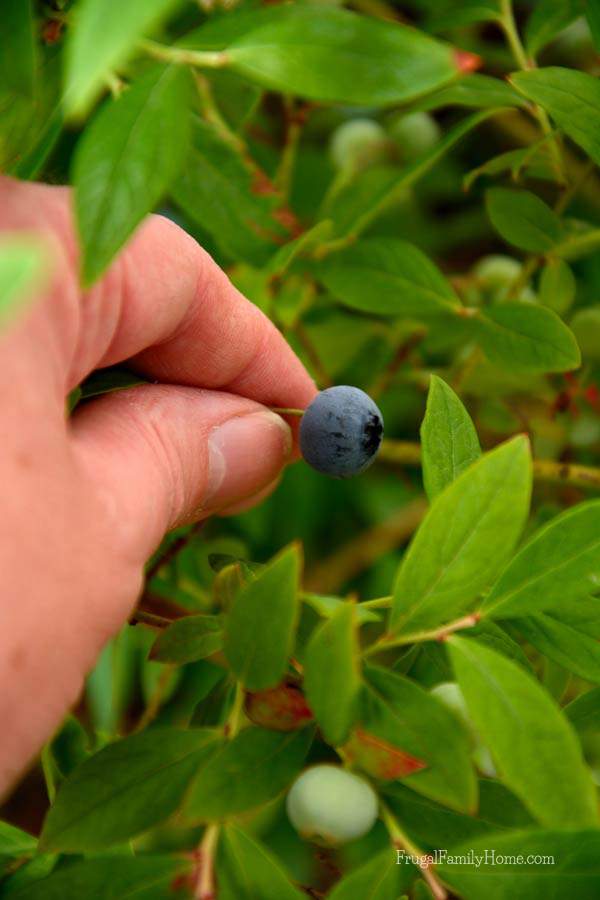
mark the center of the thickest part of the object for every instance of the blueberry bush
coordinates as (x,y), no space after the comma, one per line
(363,685)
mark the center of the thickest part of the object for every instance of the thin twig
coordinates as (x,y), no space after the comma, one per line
(151,619)
(232,725)
(156,700)
(319,370)
(401,841)
(387,641)
(407,453)
(181,56)
(359,553)
(295,118)
(173,549)
(403,352)
(204,887)
(509,26)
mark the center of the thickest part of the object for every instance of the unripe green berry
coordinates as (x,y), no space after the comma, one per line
(584,431)
(329,805)
(415,134)
(358,144)
(496,274)
(585,325)
(497,271)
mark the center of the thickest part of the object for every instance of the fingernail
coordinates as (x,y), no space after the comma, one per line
(245,454)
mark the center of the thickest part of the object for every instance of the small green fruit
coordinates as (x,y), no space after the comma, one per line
(585,325)
(330,805)
(358,144)
(415,134)
(496,274)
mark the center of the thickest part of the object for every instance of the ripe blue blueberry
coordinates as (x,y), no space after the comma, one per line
(341,431)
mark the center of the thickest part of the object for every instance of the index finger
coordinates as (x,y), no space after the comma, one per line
(165,306)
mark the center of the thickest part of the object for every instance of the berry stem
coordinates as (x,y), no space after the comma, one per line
(287,411)
(204,886)
(232,725)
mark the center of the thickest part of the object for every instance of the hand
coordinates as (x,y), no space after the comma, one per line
(85,501)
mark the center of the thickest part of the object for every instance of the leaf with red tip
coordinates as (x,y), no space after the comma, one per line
(404,732)
(380,758)
(467,62)
(283,708)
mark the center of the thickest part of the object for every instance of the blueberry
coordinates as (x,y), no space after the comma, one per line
(329,805)
(358,144)
(341,431)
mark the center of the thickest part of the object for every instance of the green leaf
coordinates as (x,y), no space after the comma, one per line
(21,269)
(447,14)
(570,647)
(109,878)
(220,192)
(526,337)
(326,607)
(380,878)
(18,59)
(99,42)
(385,276)
(592,14)
(476,91)
(534,747)
(260,627)
(329,54)
(285,256)
(332,673)
(394,709)
(14,843)
(547,20)
(245,772)
(27,873)
(536,161)
(126,160)
(449,442)
(561,560)
(246,870)
(523,220)
(490,634)
(515,866)
(431,825)
(584,711)
(571,98)
(188,639)
(30,119)
(449,561)
(125,789)
(557,286)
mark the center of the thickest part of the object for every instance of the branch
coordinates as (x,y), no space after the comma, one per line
(172,550)
(359,553)
(204,877)
(401,841)
(387,641)
(407,453)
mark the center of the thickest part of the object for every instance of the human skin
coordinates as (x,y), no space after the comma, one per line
(86,500)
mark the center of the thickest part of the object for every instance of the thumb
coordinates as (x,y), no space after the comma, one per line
(165,455)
